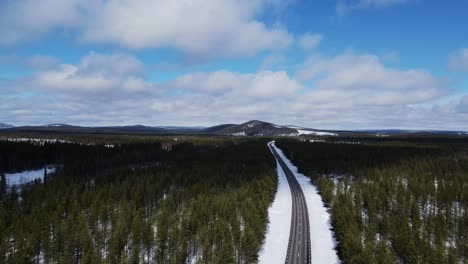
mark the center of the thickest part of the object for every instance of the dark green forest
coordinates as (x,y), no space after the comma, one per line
(200,200)
(189,199)
(391,201)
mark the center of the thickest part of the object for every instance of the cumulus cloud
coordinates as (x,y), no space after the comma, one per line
(309,42)
(458,60)
(463,105)
(364,79)
(349,91)
(199,28)
(101,89)
(95,74)
(28,19)
(261,84)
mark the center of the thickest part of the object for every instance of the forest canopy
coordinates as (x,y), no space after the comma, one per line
(161,201)
(391,201)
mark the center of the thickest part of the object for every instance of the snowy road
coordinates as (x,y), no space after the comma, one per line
(322,243)
(299,238)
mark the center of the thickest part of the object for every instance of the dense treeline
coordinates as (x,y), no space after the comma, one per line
(389,203)
(138,203)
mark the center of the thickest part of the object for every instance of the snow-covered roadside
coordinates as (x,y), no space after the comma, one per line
(321,237)
(276,241)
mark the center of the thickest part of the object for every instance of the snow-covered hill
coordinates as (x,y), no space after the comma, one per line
(260,128)
(3,126)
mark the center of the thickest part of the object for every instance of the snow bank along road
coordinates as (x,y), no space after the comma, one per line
(299,237)
(274,249)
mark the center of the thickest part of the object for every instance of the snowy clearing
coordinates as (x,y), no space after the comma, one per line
(42,141)
(316,133)
(20,178)
(239,134)
(277,237)
(322,238)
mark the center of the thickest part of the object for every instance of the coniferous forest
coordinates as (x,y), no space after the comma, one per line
(401,201)
(165,199)
(199,200)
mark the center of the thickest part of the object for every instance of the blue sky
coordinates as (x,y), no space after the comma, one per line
(344,64)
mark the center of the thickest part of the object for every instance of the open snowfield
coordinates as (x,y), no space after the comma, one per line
(276,242)
(321,237)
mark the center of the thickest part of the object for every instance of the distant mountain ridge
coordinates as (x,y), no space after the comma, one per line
(5,125)
(250,128)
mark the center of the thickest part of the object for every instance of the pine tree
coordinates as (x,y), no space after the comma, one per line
(3,185)
(45,175)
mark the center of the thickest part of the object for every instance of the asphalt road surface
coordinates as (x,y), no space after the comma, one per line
(299,236)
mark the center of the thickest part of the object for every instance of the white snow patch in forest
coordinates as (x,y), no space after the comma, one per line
(316,140)
(277,237)
(313,132)
(239,134)
(322,239)
(14,179)
(36,140)
(42,141)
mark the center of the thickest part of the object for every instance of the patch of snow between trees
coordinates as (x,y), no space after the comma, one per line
(277,237)
(316,133)
(20,178)
(17,180)
(239,134)
(42,141)
(322,238)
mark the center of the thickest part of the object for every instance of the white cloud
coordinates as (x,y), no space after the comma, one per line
(261,84)
(95,74)
(463,105)
(111,65)
(22,20)
(345,6)
(210,82)
(198,27)
(267,84)
(363,79)
(390,57)
(67,78)
(309,42)
(204,28)
(272,61)
(349,91)
(458,60)
(379,3)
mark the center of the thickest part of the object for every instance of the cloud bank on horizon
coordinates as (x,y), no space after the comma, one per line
(335,64)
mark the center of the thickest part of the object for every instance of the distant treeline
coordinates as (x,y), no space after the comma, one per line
(392,202)
(140,202)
